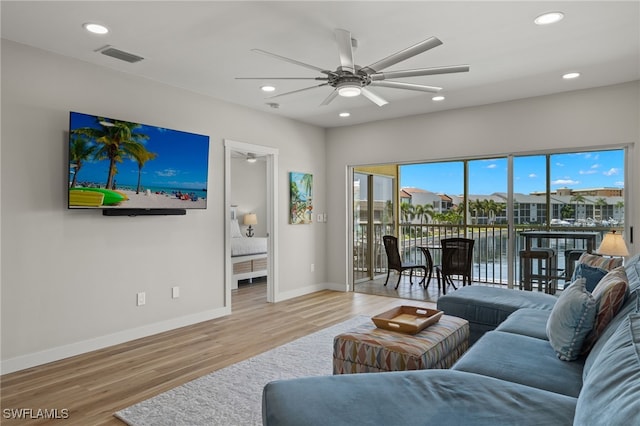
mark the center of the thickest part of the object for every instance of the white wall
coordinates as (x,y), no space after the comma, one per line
(69,278)
(601,117)
(249,192)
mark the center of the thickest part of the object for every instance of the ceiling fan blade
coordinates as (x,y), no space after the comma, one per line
(373,97)
(345,49)
(291,61)
(407,86)
(329,98)
(403,55)
(297,91)
(283,78)
(419,72)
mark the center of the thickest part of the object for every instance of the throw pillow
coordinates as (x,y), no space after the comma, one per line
(235,229)
(592,274)
(571,320)
(610,391)
(609,295)
(597,261)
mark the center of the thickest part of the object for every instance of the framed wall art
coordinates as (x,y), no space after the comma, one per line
(301,198)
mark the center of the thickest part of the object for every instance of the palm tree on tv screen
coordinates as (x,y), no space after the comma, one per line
(81,150)
(116,140)
(140,155)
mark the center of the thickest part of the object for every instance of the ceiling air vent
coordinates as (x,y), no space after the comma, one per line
(120,54)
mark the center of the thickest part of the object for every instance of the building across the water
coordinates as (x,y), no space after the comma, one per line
(582,207)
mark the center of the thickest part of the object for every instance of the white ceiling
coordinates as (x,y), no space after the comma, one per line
(202,46)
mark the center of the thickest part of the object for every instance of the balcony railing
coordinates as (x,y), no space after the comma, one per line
(490,253)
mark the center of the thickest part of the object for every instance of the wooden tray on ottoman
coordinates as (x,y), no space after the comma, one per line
(407,319)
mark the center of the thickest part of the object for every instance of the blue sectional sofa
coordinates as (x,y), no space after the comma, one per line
(511,375)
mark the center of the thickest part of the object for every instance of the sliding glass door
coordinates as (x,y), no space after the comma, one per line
(373,217)
(492,200)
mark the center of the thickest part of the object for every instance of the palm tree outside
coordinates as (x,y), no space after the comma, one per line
(600,203)
(476,206)
(577,199)
(407,211)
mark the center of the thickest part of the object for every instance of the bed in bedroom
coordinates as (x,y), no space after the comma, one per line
(248,256)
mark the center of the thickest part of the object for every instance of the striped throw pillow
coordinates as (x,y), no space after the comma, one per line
(597,261)
(609,294)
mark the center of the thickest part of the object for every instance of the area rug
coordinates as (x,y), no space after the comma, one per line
(233,395)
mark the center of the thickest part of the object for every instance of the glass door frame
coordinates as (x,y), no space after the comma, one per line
(373,247)
(512,237)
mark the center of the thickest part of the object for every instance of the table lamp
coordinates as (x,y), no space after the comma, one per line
(250,219)
(613,245)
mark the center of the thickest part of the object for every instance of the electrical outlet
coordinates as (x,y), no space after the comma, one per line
(313,267)
(175,292)
(141,299)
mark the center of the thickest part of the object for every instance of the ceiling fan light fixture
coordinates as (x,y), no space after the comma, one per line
(349,90)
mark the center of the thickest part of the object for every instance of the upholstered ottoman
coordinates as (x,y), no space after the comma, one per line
(368,349)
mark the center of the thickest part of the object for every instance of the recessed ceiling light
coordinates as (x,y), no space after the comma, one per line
(570,75)
(549,18)
(96,28)
(438,98)
(345,114)
(267,88)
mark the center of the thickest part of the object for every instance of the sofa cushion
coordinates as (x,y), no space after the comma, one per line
(486,307)
(522,359)
(609,295)
(611,389)
(438,397)
(597,261)
(528,322)
(571,320)
(592,275)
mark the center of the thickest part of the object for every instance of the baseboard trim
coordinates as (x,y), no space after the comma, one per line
(307,290)
(61,352)
(336,287)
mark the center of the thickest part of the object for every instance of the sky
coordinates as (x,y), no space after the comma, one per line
(572,170)
(181,161)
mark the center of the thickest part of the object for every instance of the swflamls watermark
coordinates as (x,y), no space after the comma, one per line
(35,413)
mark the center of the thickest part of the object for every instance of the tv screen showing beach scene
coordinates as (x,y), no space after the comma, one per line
(120,164)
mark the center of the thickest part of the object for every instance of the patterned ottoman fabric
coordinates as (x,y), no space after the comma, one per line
(368,349)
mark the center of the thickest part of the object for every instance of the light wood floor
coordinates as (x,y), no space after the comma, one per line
(95,385)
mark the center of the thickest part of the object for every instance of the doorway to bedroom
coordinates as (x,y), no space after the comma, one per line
(249,200)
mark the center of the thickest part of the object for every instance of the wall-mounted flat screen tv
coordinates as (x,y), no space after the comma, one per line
(117,164)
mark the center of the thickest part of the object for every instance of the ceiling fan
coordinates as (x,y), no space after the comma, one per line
(351,80)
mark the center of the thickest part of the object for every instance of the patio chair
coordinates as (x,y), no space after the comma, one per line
(457,260)
(394,261)
(429,261)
